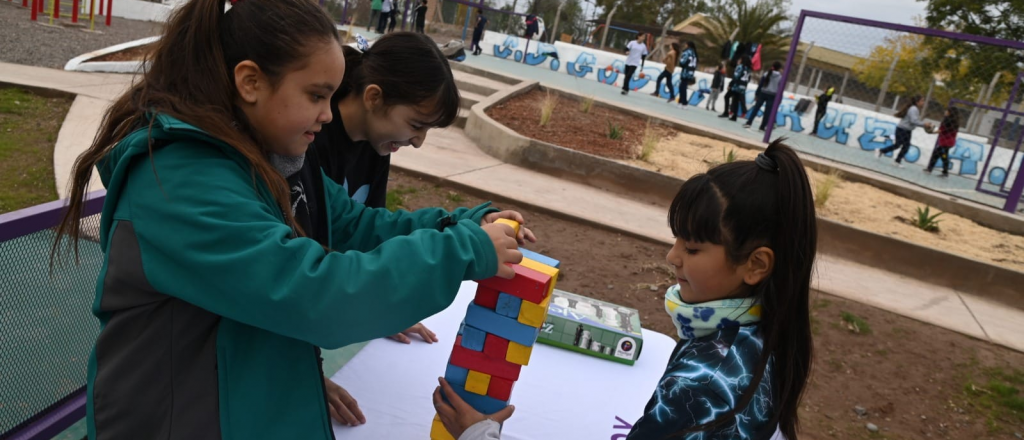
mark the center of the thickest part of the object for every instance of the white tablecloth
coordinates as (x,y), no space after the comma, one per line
(560,395)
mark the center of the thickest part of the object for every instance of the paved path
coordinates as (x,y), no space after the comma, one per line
(450,156)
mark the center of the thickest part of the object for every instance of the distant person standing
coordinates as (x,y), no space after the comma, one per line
(671,58)
(394,16)
(688,64)
(636,54)
(385,13)
(948,130)
(374,14)
(738,89)
(910,116)
(478,32)
(717,85)
(421,16)
(819,113)
(766,94)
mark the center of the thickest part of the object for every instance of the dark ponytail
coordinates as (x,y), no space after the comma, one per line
(906,107)
(410,70)
(743,206)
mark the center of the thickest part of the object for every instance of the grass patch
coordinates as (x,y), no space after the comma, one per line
(28,130)
(615,131)
(997,393)
(855,323)
(649,143)
(454,197)
(587,104)
(824,186)
(395,199)
(547,108)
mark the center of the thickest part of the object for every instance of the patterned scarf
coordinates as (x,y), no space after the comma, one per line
(698,320)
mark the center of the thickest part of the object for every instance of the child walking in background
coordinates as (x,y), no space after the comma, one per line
(948,130)
(737,95)
(478,32)
(746,238)
(216,288)
(671,58)
(766,90)
(688,64)
(636,54)
(910,118)
(385,14)
(374,14)
(717,85)
(819,112)
(421,16)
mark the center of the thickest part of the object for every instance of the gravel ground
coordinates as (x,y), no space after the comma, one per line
(25,42)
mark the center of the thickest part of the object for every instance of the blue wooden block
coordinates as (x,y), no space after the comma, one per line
(508,305)
(500,325)
(456,375)
(473,338)
(540,258)
(484,404)
(461,324)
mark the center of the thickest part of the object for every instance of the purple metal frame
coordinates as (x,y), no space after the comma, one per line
(1018,186)
(55,419)
(999,132)
(1002,189)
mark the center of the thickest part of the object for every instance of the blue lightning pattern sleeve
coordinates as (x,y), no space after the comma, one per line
(705,378)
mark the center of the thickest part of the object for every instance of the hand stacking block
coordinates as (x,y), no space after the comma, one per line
(473,338)
(477,382)
(496,346)
(438,431)
(528,284)
(544,269)
(543,259)
(486,297)
(532,314)
(514,224)
(475,360)
(518,354)
(456,375)
(500,389)
(508,328)
(508,305)
(484,404)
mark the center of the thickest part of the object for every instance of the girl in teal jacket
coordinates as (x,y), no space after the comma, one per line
(212,298)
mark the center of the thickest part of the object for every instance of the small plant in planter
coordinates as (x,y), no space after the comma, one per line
(649,143)
(615,131)
(824,186)
(925,221)
(728,156)
(547,108)
(587,104)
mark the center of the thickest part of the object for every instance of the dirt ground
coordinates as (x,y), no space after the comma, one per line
(912,380)
(684,155)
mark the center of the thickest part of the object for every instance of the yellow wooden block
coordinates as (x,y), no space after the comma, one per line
(544,269)
(533,314)
(514,224)
(438,431)
(518,354)
(477,382)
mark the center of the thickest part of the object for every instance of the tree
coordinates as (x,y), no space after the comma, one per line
(761,22)
(990,18)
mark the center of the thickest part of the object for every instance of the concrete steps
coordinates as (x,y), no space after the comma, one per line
(473,88)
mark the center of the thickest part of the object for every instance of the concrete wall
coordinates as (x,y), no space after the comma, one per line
(143,10)
(841,240)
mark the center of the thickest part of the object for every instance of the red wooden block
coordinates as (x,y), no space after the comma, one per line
(495,346)
(528,284)
(500,388)
(486,297)
(478,361)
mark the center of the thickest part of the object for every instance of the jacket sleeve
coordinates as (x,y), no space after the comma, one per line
(207,236)
(678,403)
(357,227)
(914,116)
(486,429)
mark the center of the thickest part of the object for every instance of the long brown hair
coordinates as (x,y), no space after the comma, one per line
(906,107)
(191,78)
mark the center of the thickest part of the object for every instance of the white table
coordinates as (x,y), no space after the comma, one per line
(560,395)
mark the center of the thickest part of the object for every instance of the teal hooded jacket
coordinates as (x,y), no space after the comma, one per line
(211,309)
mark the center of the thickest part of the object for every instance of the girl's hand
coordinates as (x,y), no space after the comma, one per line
(418,329)
(459,416)
(524,233)
(505,246)
(344,408)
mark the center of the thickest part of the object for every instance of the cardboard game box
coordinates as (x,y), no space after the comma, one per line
(592,327)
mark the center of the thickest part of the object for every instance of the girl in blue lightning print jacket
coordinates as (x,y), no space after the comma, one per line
(745,245)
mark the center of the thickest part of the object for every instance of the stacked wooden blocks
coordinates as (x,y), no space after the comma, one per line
(496,338)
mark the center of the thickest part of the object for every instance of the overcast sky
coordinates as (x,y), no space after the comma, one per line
(855,39)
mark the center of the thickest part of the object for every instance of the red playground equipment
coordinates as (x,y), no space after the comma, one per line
(54,10)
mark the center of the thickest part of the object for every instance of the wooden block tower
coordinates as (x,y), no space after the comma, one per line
(496,338)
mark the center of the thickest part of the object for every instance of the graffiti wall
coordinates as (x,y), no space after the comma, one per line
(845,125)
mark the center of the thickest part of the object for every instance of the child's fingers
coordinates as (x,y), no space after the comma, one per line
(337,417)
(427,335)
(460,406)
(444,410)
(503,415)
(400,337)
(353,406)
(527,234)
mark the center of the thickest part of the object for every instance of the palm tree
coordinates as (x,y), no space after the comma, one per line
(761,22)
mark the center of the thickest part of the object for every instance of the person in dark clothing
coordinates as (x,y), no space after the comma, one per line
(421,16)
(738,89)
(386,7)
(717,85)
(688,67)
(910,118)
(766,90)
(819,113)
(478,32)
(671,58)
(948,130)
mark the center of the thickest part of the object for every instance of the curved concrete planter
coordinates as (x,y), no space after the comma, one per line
(963,274)
(81,63)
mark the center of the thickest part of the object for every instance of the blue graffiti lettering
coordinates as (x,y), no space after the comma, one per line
(969,153)
(609,77)
(997,176)
(873,130)
(582,66)
(787,110)
(518,56)
(505,49)
(829,128)
(913,154)
(543,49)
